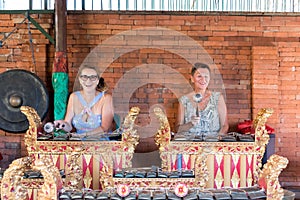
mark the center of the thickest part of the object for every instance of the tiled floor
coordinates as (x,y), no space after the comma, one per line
(296,190)
(297,197)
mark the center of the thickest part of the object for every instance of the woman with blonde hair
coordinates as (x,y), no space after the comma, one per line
(90,110)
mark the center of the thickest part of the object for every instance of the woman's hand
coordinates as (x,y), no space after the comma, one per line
(76,135)
(63,125)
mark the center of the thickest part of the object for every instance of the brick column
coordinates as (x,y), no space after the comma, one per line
(265,72)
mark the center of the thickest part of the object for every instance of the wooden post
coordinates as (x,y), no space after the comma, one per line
(60,77)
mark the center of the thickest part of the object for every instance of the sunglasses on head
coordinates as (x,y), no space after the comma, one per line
(91,77)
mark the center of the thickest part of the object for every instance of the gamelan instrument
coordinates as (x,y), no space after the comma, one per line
(20,88)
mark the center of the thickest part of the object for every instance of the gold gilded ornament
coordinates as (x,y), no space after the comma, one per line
(106,173)
(34,122)
(261,137)
(73,171)
(269,176)
(163,135)
(11,187)
(52,179)
(200,155)
(130,137)
(15,186)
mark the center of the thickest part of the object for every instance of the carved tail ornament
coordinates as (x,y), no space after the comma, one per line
(34,123)
(261,136)
(268,178)
(11,187)
(130,137)
(52,179)
(163,135)
(12,183)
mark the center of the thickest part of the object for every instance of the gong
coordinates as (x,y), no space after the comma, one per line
(20,88)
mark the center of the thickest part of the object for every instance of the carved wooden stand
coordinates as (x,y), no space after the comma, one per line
(91,164)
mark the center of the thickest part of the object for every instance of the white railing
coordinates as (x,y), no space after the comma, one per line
(160,5)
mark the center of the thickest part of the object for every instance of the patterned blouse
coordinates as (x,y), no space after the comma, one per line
(209,123)
(93,120)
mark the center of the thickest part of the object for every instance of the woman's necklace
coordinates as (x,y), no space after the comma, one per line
(203,103)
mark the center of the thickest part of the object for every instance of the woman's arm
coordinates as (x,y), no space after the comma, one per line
(180,125)
(70,110)
(222,109)
(107,112)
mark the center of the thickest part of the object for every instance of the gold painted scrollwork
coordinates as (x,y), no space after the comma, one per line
(130,137)
(262,117)
(52,178)
(270,174)
(261,136)
(106,173)
(163,135)
(15,186)
(34,122)
(73,170)
(201,171)
(11,187)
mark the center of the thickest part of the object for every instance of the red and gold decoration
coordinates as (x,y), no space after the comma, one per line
(268,178)
(123,190)
(15,186)
(181,190)
(92,164)
(83,161)
(227,164)
(163,135)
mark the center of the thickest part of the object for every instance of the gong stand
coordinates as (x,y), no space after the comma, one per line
(21,87)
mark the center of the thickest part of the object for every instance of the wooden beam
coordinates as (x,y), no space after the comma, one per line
(60,25)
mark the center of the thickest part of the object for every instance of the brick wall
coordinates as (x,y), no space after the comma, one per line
(255,57)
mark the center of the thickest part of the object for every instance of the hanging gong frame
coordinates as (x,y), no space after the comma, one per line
(20,88)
